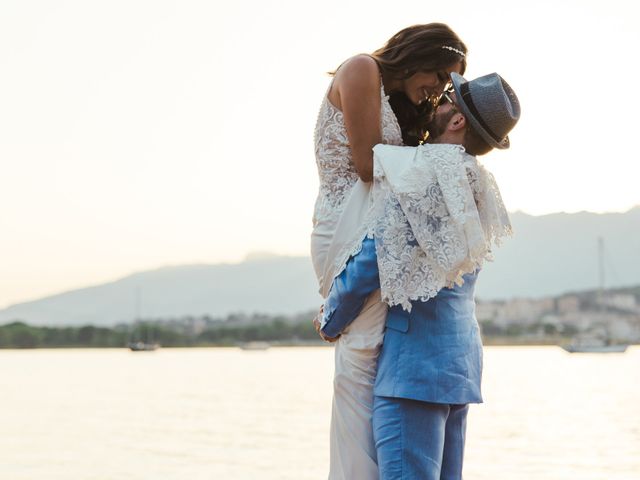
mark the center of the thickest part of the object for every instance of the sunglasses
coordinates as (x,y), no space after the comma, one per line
(445,98)
(436,99)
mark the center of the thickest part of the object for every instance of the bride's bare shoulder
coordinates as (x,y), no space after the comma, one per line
(358,74)
(359,67)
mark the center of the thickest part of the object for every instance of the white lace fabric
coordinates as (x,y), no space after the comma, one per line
(336,171)
(435,213)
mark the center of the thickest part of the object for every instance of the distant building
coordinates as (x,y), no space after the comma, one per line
(568,304)
(525,310)
(623,301)
(488,311)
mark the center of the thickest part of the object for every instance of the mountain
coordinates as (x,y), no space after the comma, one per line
(555,253)
(548,255)
(266,285)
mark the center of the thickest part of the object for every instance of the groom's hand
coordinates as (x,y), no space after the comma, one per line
(317,324)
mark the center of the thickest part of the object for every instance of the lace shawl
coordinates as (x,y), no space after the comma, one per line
(435,213)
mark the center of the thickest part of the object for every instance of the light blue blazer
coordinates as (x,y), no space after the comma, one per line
(433,354)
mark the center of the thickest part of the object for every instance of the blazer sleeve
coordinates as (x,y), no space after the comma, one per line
(350,290)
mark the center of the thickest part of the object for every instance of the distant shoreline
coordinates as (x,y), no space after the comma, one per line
(502,342)
(246,332)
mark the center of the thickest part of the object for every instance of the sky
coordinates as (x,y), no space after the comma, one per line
(139,134)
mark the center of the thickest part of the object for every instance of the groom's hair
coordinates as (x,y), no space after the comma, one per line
(474,144)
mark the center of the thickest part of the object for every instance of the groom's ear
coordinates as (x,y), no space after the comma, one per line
(457,122)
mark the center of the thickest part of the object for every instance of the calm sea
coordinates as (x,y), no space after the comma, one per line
(188,414)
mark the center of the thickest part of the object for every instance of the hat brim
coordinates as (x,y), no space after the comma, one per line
(457,81)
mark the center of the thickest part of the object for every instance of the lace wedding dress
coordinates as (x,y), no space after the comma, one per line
(337,173)
(352,451)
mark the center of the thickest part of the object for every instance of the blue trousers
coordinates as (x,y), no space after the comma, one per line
(419,440)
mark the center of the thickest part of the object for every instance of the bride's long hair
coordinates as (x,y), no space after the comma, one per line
(418,49)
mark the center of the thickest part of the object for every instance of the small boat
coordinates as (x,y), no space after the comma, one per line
(597,341)
(142,346)
(144,341)
(573,348)
(255,345)
(594,344)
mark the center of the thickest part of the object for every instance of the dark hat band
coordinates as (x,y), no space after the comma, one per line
(468,101)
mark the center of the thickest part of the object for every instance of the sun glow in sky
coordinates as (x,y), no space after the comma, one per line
(137,134)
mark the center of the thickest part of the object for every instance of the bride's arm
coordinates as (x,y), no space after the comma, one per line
(358,88)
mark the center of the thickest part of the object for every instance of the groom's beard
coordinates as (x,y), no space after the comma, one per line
(438,125)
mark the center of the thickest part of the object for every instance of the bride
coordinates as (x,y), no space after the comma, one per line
(386,97)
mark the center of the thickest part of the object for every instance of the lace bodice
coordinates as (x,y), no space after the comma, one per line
(334,160)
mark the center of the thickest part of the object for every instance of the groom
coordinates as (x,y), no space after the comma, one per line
(430,365)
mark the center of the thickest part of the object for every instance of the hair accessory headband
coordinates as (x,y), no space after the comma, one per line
(459,52)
